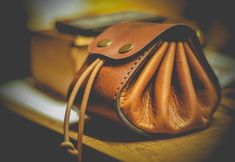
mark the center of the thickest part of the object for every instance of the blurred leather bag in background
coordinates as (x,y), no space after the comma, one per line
(56,58)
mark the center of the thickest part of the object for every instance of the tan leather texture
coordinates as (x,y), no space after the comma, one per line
(128,34)
(163,85)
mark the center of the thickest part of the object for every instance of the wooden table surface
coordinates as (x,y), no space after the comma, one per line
(124,145)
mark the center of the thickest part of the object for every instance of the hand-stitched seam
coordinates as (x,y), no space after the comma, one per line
(129,72)
(127,76)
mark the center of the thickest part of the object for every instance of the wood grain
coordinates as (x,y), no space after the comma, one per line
(195,146)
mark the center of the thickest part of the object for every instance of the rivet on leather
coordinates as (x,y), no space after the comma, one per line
(104,43)
(125,48)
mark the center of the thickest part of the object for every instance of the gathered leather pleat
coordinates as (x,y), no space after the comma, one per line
(172,94)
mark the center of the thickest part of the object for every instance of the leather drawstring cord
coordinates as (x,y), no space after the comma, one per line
(92,70)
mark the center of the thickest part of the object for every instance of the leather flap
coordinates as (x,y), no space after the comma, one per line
(138,34)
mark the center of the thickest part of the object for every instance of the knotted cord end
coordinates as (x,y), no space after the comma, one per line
(70,147)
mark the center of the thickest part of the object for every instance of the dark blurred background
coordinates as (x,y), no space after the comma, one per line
(18,18)
(214,17)
(14,48)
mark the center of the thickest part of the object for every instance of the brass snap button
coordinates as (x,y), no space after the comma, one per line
(125,48)
(104,43)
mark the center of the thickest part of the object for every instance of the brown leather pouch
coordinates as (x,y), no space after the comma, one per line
(160,82)
(155,75)
(153,78)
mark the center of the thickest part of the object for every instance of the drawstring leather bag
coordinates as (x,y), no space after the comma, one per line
(152,78)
